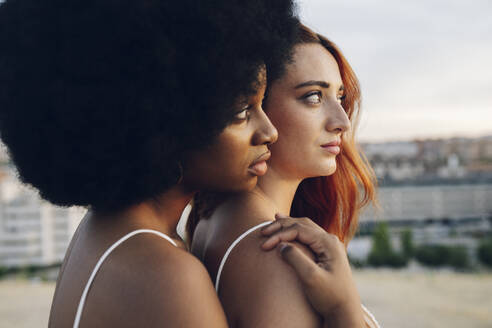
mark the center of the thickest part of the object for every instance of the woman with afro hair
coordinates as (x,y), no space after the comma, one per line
(128,108)
(316,172)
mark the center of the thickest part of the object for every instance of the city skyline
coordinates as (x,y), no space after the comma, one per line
(424,66)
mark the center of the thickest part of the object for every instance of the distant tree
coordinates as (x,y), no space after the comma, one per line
(441,255)
(484,252)
(458,257)
(381,246)
(382,253)
(407,246)
(432,255)
(3,271)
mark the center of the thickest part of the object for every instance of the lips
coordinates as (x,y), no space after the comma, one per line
(332,147)
(259,165)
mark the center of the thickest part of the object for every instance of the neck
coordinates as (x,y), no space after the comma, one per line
(162,212)
(280,190)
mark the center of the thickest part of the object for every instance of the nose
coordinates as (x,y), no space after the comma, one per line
(337,119)
(265,132)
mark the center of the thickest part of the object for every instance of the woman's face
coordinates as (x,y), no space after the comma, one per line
(238,155)
(305,107)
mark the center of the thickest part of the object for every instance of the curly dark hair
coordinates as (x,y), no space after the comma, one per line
(101,99)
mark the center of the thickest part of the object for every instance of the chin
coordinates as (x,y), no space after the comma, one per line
(332,171)
(327,171)
(251,184)
(247,184)
(327,168)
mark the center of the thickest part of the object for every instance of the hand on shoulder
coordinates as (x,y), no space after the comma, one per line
(258,289)
(327,281)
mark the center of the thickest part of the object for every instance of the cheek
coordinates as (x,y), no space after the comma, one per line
(298,132)
(233,151)
(222,166)
(231,171)
(297,152)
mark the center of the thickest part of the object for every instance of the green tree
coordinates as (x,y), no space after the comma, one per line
(382,253)
(432,255)
(458,257)
(440,255)
(3,271)
(407,246)
(484,252)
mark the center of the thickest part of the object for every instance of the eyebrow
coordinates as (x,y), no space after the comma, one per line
(322,84)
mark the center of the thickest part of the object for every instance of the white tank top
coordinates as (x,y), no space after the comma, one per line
(368,317)
(80,308)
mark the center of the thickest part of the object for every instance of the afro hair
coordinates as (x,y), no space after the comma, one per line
(100,99)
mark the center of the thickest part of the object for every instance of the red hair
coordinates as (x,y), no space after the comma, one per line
(334,201)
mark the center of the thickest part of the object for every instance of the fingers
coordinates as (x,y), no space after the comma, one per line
(281,221)
(288,234)
(303,230)
(304,267)
(284,221)
(271,228)
(295,232)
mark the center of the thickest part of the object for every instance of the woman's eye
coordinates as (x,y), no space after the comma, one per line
(313,97)
(341,98)
(243,114)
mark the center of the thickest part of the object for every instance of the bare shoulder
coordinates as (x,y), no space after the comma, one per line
(147,282)
(268,290)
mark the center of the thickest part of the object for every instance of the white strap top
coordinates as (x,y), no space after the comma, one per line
(226,255)
(371,322)
(368,317)
(80,308)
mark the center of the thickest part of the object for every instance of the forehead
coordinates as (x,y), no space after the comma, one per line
(313,62)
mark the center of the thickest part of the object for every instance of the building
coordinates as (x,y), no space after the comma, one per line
(34,232)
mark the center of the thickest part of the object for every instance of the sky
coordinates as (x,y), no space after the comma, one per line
(425,66)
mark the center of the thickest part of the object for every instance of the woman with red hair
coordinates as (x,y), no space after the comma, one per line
(316,170)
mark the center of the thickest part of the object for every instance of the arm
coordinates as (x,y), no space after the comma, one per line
(327,281)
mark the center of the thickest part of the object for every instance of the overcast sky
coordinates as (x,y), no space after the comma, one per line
(425,66)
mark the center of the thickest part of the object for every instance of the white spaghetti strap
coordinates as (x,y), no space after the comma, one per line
(226,255)
(100,262)
(374,322)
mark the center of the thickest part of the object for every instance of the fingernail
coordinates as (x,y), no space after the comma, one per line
(283,247)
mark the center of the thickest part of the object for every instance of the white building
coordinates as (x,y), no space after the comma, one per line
(432,202)
(391,149)
(453,169)
(34,232)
